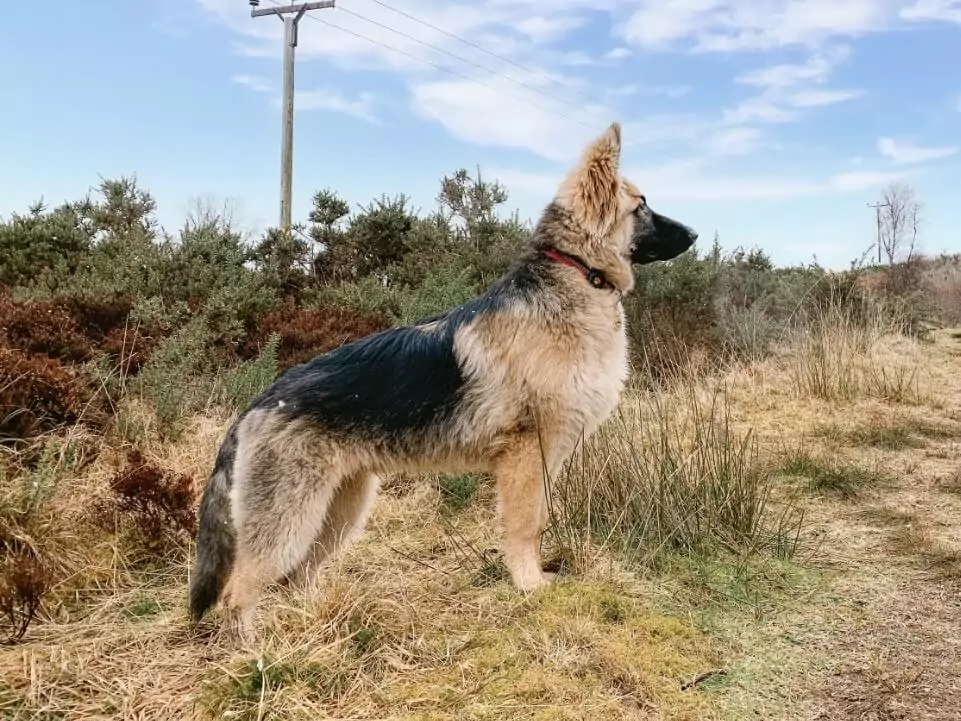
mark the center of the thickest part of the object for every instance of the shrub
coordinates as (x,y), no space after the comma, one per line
(176,380)
(247,380)
(367,296)
(37,394)
(75,328)
(307,332)
(942,286)
(158,504)
(443,288)
(42,327)
(111,328)
(42,246)
(24,581)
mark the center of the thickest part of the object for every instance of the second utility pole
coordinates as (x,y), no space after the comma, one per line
(877,212)
(293,15)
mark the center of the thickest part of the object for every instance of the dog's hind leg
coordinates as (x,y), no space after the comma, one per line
(279,508)
(522,502)
(346,517)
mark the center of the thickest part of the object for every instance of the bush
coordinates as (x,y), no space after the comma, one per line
(671,315)
(243,383)
(157,504)
(443,288)
(40,247)
(37,394)
(175,379)
(307,332)
(24,581)
(42,327)
(942,286)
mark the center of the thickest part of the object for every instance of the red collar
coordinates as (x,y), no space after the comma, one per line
(595,277)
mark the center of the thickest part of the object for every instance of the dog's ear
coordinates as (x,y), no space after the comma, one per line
(590,191)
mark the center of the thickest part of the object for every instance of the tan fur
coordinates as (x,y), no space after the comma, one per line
(522,373)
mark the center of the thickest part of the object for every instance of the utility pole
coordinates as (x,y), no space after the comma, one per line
(290,15)
(877,212)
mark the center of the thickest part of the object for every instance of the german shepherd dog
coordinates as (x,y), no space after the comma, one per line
(506,383)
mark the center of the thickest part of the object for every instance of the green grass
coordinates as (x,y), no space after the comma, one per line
(840,479)
(458,492)
(144,607)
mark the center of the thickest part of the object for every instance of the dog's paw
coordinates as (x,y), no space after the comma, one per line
(533,582)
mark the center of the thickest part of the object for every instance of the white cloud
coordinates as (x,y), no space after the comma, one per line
(494,112)
(819,98)
(693,181)
(477,115)
(254,83)
(623,90)
(733,25)
(734,141)
(335,102)
(761,109)
(857,180)
(942,10)
(618,53)
(669,91)
(322,99)
(787,88)
(539,28)
(786,75)
(904,152)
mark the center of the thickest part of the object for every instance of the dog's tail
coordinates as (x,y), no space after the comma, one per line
(216,536)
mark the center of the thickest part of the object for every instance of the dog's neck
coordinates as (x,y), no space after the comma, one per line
(593,276)
(557,231)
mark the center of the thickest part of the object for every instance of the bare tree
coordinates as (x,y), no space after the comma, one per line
(900,222)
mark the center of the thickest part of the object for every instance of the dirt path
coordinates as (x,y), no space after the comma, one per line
(883,642)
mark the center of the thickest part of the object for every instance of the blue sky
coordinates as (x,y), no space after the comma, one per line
(773,122)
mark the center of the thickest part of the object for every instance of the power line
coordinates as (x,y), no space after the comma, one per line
(464,60)
(474,45)
(443,69)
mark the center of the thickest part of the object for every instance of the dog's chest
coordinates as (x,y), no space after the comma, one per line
(599,376)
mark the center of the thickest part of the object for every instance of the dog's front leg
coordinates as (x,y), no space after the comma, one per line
(522,504)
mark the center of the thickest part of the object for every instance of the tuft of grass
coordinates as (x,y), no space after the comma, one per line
(670,474)
(895,435)
(458,491)
(916,541)
(888,516)
(143,607)
(843,480)
(889,437)
(836,356)
(951,483)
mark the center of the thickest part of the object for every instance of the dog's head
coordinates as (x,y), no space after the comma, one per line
(614,224)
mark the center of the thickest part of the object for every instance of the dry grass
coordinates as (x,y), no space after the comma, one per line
(670,474)
(840,358)
(676,527)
